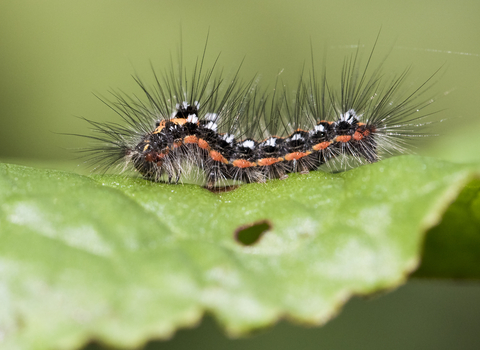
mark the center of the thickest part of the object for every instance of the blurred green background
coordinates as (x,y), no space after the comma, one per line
(55,54)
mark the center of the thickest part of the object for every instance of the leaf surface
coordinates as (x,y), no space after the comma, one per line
(452,249)
(122,260)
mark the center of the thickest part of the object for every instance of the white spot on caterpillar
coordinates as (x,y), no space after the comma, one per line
(184,105)
(248,144)
(349,116)
(211,126)
(296,137)
(228,138)
(320,128)
(211,117)
(192,118)
(272,141)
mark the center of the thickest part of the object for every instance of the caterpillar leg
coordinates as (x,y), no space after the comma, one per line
(217,172)
(367,151)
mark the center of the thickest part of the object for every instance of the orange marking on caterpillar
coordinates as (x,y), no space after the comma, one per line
(321,145)
(178,121)
(357,136)
(242,163)
(160,156)
(190,139)
(203,144)
(160,127)
(343,138)
(217,156)
(268,161)
(296,155)
(177,144)
(149,157)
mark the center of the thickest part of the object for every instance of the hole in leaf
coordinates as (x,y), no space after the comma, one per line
(251,234)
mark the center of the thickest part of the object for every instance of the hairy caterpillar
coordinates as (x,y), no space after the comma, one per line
(235,131)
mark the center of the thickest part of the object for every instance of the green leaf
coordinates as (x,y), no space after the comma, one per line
(122,260)
(452,249)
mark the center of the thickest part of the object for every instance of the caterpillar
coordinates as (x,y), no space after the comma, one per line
(234,131)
